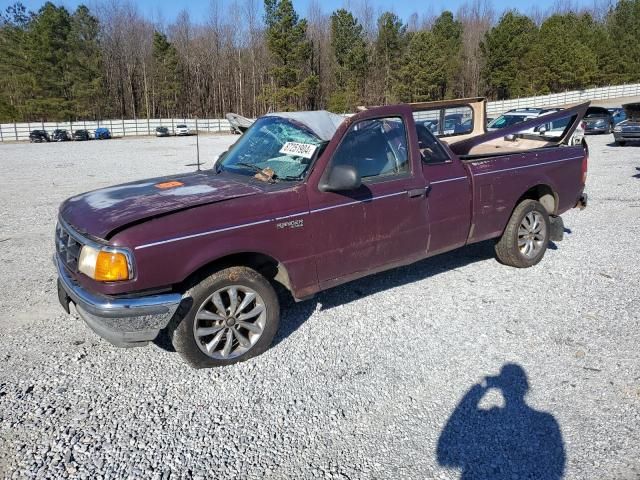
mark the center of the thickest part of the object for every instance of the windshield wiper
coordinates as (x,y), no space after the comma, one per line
(288,178)
(252,166)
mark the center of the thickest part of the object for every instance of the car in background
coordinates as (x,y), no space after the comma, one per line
(453,124)
(37,136)
(60,135)
(102,134)
(558,127)
(162,132)
(182,129)
(618,114)
(81,135)
(518,115)
(598,120)
(628,130)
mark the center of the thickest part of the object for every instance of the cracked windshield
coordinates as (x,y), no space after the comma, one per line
(273,148)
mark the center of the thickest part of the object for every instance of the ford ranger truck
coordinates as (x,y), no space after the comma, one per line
(308,201)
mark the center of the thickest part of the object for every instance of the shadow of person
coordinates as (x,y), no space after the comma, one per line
(513,441)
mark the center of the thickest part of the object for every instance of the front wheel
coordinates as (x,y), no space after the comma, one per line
(524,241)
(621,143)
(234,316)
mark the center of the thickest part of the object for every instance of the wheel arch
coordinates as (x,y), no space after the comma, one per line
(544,194)
(268,266)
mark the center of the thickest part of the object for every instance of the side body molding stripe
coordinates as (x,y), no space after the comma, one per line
(322,209)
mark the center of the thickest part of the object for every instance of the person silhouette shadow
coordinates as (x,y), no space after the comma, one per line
(511,442)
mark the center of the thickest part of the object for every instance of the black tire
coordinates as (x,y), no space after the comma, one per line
(507,249)
(621,143)
(181,331)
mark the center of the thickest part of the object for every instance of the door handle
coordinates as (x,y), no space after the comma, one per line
(417,192)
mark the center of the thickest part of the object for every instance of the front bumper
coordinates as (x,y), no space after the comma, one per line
(596,129)
(124,322)
(626,136)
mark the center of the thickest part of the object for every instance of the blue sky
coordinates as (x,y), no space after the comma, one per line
(198,9)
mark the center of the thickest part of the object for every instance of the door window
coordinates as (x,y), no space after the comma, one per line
(377,148)
(430,150)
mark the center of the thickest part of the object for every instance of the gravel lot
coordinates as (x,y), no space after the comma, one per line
(361,381)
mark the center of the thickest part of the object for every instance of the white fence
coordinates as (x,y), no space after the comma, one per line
(556,99)
(126,128)
(118,128)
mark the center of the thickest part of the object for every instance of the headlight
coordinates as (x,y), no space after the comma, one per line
(600,122)
(617,129)
(103,265)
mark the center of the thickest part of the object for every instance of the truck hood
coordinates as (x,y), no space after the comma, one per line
(100,213)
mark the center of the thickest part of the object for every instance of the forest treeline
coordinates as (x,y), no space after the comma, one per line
(253,57)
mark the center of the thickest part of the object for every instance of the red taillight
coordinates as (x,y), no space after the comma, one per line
(585,162)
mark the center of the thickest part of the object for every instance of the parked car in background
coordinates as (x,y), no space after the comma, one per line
(182,129)
(306,201)
(37,136)
(453,124)
(628,130)
(102,134)
(61,135)
(81,135)
(518,115)
(598,120)
(162,132)
(618,114)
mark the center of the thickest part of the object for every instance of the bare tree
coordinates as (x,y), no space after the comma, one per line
(476,16)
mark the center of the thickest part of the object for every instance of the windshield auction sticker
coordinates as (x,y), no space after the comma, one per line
(296,149)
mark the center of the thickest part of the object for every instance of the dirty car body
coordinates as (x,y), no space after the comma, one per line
(309,200)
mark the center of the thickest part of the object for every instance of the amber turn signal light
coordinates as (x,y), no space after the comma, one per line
(111,267)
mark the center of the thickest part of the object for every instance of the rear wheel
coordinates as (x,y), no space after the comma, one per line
(234,316)
(524,241)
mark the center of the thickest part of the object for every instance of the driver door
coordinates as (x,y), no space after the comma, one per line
(384,222)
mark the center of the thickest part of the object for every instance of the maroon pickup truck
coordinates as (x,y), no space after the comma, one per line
(310,200)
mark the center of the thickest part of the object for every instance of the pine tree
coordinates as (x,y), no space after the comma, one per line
(560,59)
(623,25)
(417,80)
(350,53)
(85,64)
(447,36)
(166,74)
(293,85)
(432,62)
(48,60)
(15,75)
(504,49)
(389,48)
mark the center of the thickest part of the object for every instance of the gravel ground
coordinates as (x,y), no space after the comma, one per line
(365,381)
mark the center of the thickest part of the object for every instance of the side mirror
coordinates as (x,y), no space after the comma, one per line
(542,129)
(341,178)
(510,138)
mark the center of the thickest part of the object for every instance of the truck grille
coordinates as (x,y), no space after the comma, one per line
(67,247)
